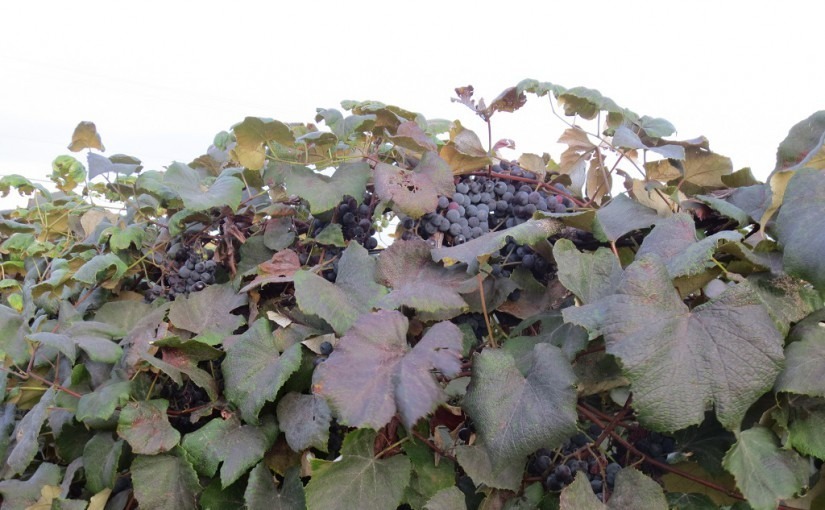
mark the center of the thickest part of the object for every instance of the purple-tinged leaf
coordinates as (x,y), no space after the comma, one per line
(372,373)
(305,421)
(208,313)
(146,428)
(414,192)
(727,352)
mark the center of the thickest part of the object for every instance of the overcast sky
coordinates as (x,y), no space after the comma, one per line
(161,78)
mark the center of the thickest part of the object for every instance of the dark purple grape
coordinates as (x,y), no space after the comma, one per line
(325,348)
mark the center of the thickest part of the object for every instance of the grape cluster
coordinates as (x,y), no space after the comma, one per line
(189,271)
(557,469)
(355,220)
(336,439)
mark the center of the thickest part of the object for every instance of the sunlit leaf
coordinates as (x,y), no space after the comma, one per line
(253,134)
(700,167)
(666,347)
(464,153)
(372,373)
(358,479)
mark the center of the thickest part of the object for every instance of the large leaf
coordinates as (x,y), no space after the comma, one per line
(463,152)
(102,402)
(475,460)
(701,167)
(804,371)
(590,276)
(101,455)
(358,479)
(165,481)
(208,313)
(145,426)
(517,414)
(99,268)
(227,442)
(635,490)
(620,216)
(726,352)
(197,195)
(446,499)
(416,281)
(414,192)
(355,291)
(26,435)
(254,370)
(800,226)
(674,240)
(252,134)
(305,421)
(765,473)
(372,373)
(322,192)
(262,493)
(428,474)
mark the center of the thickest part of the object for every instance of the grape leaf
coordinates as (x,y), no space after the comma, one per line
(803,139)
(678,360)
(418,282)
(354,292)
(261,491)
(414,192)
(26,433)
(322,192)
(176,362)
(620,216)
(635,490)
(480,248)
(208,313)
(344,127)
(690,501)
(97,340)
(85,136)
(101,455)
(236,447)
(476,461)
(165,481)
(20,495)
(804,371)
(99,165)
(197,196)
(107,266)
(765,473)
(674,240)
(515,414)
(409,135)
(67,173)
(254,371)
(305,421)
(428,475)
(102,402)
(800,226)
(252,134)
(590,276)
(463,152)
(806,423)
(587,103)
(358,479)
(145,426)
(372,373)
(579,496)
(450,498)
(700,166)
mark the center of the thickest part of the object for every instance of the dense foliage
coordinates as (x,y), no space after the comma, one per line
(385,314)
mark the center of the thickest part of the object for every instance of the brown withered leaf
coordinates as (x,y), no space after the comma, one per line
(85,136)
(280,268)
(508,101)
(410,136)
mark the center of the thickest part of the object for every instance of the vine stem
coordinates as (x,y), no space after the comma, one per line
(392,446)
(484,310)
(593,415)
(432,445)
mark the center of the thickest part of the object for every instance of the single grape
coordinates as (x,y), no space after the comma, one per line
(443,202)
(325,348)
(462,188)
(453,215)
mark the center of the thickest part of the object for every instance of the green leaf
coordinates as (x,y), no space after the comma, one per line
(261,491)
(477,462)
(706,444)
(322,192)
(332,235)
(107,266)
(208,313)
(804,371)
(237,447)
(414,192)
(765,473)
(278,234)
(372,373)
(21,495)
(800,226)
(354,292)
(674,240)
(620,216)
(358,479)
(305,421)
(680,360)
(67,173)
(13,330)
(197,195)
(418,282)
(803,139)
(570,338)
(590,276)
(97,340)
(26,435)
(635,490)
(579,496)
(807,421)
(689,501)
(101,455)
(251,136)
(123,238)
(254,371)
(85,136)
(725,208)
(345,127)
(145,426)
(480,248)
(450,498)
(216,497)
(60,341)
(428,476)
(165,481)
(515,414)
(102,402)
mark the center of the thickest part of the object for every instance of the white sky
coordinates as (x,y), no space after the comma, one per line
(161,78)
